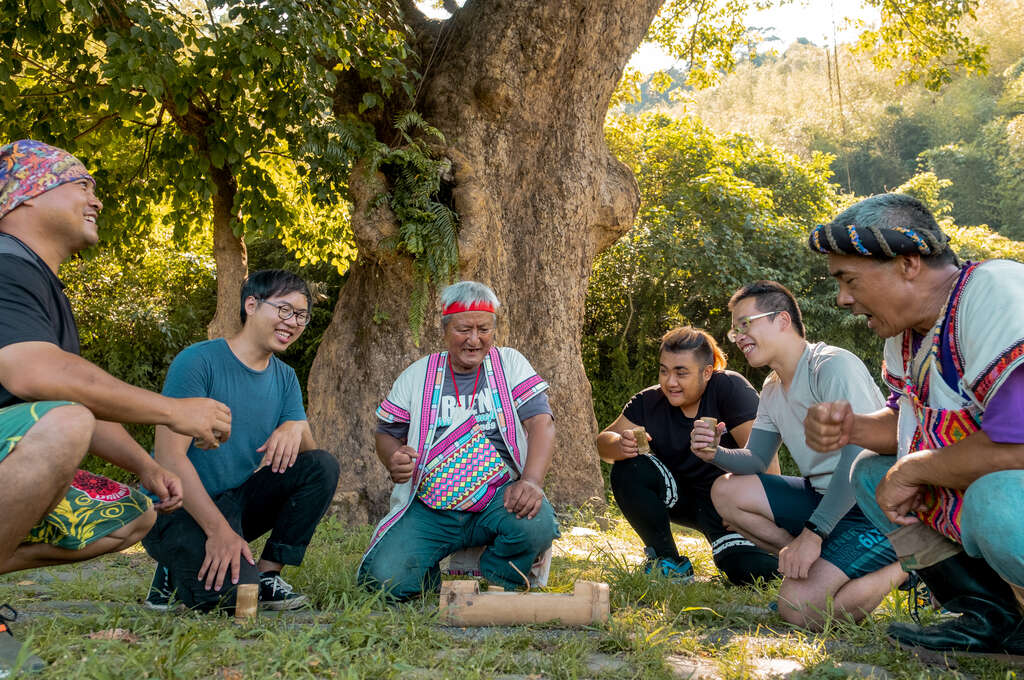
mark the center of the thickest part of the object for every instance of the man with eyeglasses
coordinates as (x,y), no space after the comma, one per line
(270,476)
(54,405)
(830,555)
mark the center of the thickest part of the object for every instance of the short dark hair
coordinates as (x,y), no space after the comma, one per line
(886,225)
(771,296)
(696,340)
(269,283)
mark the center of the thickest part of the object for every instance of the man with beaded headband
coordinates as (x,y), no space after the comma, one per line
(954,352)
(54,405)
(466,435)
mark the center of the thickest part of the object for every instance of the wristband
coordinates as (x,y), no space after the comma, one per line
(816,530)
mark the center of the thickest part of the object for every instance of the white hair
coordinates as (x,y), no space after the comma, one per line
(467,292)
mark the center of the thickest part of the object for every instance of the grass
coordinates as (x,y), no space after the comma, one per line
(655,627)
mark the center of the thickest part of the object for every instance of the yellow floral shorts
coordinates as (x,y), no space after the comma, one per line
(93,506)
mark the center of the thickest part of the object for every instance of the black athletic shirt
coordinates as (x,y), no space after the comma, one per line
(33,306)
(727,397)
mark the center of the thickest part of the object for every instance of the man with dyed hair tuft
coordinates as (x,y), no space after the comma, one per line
(669,483)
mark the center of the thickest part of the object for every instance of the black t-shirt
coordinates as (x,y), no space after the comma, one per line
(728,397)
(33,306)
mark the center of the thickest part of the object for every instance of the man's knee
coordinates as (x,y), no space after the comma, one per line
(531,535)
(724,494)
(134,531)
(66,431)
(990,524)
(400,579)
(321,468)
(799,601)
(868,470)
(628,473)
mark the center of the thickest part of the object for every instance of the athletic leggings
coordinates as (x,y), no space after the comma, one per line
(651,497)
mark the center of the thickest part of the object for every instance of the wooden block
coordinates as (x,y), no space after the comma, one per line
(462,604)
(246,602)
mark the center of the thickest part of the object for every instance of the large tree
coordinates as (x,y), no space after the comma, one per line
(199,112)
(519,90)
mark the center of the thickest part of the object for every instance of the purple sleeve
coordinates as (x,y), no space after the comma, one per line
(893,401)
(1005,412)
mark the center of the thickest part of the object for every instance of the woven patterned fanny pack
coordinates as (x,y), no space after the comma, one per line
(462,470)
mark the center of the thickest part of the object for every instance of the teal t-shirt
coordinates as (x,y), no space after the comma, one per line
(259,402)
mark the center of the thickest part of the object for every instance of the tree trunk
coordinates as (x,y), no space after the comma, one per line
(230,255)
(520,89)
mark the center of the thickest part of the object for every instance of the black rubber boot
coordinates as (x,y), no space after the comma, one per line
(989,621)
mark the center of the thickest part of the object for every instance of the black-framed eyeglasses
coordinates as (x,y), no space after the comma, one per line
(285,311)
(743,325)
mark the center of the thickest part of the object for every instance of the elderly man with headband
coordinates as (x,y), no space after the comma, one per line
(466,435)
(54,405)
(954,351)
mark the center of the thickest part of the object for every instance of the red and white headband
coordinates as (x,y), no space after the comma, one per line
(475,306)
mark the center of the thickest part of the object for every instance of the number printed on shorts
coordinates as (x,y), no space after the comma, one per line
(870,538)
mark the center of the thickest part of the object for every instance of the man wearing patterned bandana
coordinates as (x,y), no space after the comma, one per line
(954,362)
(55,406)
(466,435)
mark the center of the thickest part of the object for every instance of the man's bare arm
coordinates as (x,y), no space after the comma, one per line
(41,371)
(112,443)
(959,465)
(830,426)
(224,547)
(540,435)
(614,444)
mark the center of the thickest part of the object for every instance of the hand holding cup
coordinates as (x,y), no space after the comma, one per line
(704,437)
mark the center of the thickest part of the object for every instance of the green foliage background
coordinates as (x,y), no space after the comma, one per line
(163,99)
(719,211)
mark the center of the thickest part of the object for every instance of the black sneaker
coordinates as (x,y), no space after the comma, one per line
(678,569)
(13,655)
(276,594)
(159,597)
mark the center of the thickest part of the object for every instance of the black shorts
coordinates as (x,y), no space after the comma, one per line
(855,546)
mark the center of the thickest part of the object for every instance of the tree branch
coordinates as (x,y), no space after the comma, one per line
(451,6)
(424,28)
(95,125)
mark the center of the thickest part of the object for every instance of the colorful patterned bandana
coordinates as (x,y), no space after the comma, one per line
(29,168)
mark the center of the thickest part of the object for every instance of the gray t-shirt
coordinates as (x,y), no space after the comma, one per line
(483,405)
(824,373)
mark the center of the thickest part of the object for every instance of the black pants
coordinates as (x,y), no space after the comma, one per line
(650,498)
(289,505)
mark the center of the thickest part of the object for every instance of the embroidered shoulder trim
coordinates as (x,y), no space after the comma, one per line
(528,389)
(390,412)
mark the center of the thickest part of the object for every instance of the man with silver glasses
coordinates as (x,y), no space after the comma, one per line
(270,476)
(829,553)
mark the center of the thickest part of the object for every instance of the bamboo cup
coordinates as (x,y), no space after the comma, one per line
(713,423)
(245,603)
(641,440)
